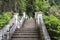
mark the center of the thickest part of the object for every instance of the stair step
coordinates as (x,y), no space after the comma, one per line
(26,30)
(25,33)
(25,38)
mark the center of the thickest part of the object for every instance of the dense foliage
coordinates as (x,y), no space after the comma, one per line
(4,18)
(53,25)
(22,6)
(51,8)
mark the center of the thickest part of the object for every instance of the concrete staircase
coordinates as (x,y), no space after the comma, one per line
(28,31)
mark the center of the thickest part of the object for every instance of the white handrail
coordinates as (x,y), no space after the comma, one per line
(8,30)
(43,30)
(5,30)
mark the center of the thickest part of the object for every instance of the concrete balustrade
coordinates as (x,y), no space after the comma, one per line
(42,28)
(8,30)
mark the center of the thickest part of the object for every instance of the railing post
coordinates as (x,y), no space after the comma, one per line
(37,16)
(16,19)
(24,14)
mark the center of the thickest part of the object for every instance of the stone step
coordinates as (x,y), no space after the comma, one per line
(26,33)
(25,38)
(27,29)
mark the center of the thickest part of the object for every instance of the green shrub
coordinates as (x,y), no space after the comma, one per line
(53,25)
(54,8)
(4,18)
(56,14)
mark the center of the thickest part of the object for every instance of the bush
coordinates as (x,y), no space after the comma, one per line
(4,18)
(53,25)
(56,14)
